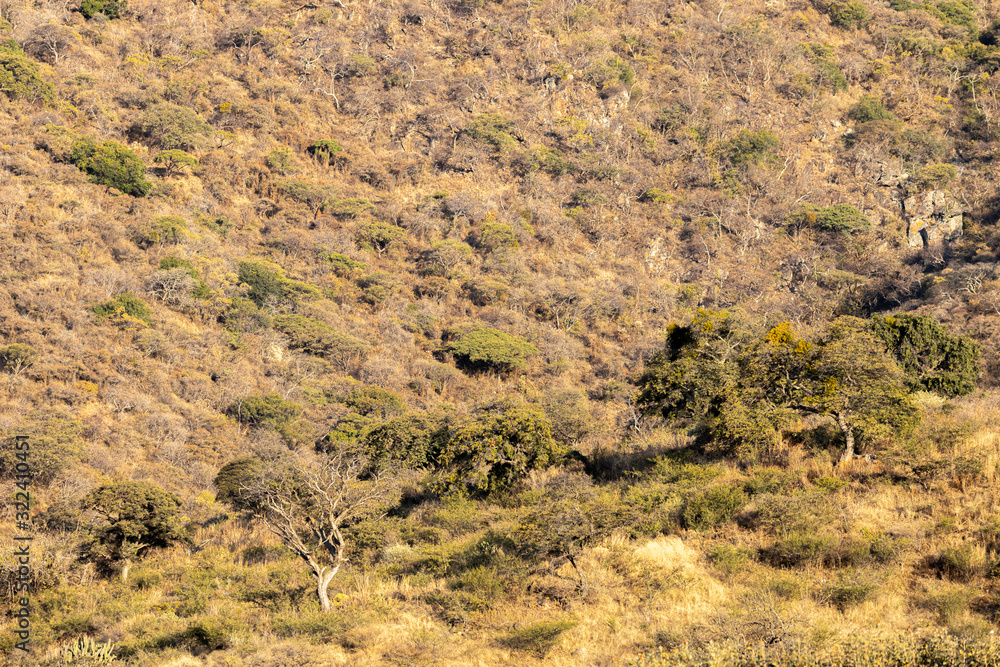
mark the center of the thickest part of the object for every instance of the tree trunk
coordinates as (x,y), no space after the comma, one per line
(848,432)
(324,578)
(126,566)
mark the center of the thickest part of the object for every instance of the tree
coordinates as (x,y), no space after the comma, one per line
(932,358)
(172,126)
(174,160)
(310,503)
(112,165)
(138,515)
(852,379)
(19,77)
(111,9)
(740,387)
(495,451)
(483,349)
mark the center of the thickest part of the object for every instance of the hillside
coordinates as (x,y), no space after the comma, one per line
(442,244)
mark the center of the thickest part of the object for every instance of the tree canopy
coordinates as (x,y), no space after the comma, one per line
(739,387)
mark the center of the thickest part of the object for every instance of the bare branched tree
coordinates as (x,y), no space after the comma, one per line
(309,502)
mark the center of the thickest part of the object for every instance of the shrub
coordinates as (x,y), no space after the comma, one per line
(19,77)
(489,349)
(348,208)
(268,284)
(112,165)
(495,451)
(325,151)
(320,339)
(111,9)
(712,507)
(124,308)
(729,559)
(267,410)
(539,638)
(341,264)
(172,126)
(414,441)
(850,592)
(379,237)
(164,229)
(934,176)
(750,148)
(312,195)
(798,548)
(849,15)
(375,401)
(494,236)
(841,218)
(869,108)
(175,159)
(493,129)
(17,357)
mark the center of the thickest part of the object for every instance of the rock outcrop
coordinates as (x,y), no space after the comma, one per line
(932,218)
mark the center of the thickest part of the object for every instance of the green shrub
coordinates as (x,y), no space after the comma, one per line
(749,147)
(348,208)
(379,237)
(19,77)
(961,563)
(495,451)
(269,410)
(319,339)
(375,401)
(17,357)
(325,151)
(214,633)
(850,592)
(496,236)
(934,176)
(486,291)
(110,164)
(268,284)
(173,160)
(869,108)
(311,195)
(493,129)
(56,446)
(712,507)
(539,638)
(489,349)
(172,126)
(244,316)
(112,9)
(164,229)
(124,308)
(799,548)
(849,15)
(414,441)
(341,264)
(841,218)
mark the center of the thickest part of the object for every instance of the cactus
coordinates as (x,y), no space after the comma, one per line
(85,651)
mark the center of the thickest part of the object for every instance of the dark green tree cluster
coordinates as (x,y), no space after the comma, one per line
(111,164)
(19,77)
(739,386)
(932,358)
(135,516)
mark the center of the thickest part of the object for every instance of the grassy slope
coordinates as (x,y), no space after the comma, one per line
(641,95)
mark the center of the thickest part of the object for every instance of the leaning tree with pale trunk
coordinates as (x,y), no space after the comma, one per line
(310,502)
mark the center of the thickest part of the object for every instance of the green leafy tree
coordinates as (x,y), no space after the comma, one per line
(112,9)
(852,379)
(311,503)
(320,339)
(16,358)
(740,388)
(325,151)
(495,451)
(19,77)
(841,218)
(136,516)
(378,237)
(414,441)
(869,108)
(489,349)
(174,160)
(112,165)
(932,358)
(125,310)
(375,401)
(172,126)
(269,411)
